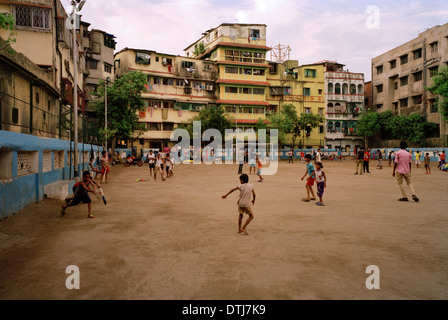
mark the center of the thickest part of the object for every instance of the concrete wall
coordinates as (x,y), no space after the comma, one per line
(26,168)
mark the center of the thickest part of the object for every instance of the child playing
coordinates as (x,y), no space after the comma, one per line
(260,169)
(94,171)
(244,203)
(81,194)
(169,166)
(152,164)
(159,167)
(310,181)
(105,169)
(321,181)
(427,163)
(252,157)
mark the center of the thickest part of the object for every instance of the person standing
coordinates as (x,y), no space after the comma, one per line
(318,156)
(302,156)
(105,168)
(240,160)
(442,160)
(244,202)
(260,169)
(359,161)
(290,155)
(152,164)
(380,160)
(252,157)
(310,180)
(402,171)
(427,164)
(417,159)
(366,163)
(321,182)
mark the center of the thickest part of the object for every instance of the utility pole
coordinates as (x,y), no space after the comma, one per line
(76,18)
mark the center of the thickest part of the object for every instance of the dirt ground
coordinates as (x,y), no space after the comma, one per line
(178,240)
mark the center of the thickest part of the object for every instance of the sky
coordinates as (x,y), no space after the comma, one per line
(349,32)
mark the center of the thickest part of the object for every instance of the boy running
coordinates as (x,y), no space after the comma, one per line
(159,167)
(321,181)
(244,203)
(169,166)
(152,164)
(260,169)
(81,194)
(310,181)
(427,163)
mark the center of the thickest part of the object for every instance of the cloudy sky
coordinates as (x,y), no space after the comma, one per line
(351,32)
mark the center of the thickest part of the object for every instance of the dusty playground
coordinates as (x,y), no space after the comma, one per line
(178,239)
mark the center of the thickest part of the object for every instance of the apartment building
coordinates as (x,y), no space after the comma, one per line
(302,86)
(177,89)
(239,52)
(344,100)
(400,76)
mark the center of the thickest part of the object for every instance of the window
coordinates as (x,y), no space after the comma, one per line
(417,54)
(306,92)
(142,58)
(337,89)
(208,67)
(246,90)
(258,72)
(321,91)
(109,42)
(273,68)
(417,99)
(379,88)
(433,71)
(395,85)
(258,91)
(15,115)
(188,64)
(93,65)
(180,83)
(404,81)
(310,73)
(321,129)
(117,63)
(307,110)
(321,111)
(168,82)
(403,103)
(404,59)
(108,68)
(393,64)
(379,106)
(231,89)
(168,126)
(418,76)
(233,70)
(154,126)
(157,80)
(247,71)
(32,17)
(433,106)
(434,47)
(379,70)
(330,88)
(254,34)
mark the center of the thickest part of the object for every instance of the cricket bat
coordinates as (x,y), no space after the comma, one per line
(101,192)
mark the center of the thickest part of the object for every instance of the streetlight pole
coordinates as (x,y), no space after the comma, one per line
(75,16)
(105,109)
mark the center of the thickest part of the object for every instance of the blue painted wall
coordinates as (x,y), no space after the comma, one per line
(18,192)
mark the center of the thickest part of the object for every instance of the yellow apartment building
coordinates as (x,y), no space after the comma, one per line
(178,88)
(239,51)
(304,87)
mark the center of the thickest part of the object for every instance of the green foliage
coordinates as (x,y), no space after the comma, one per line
(7,22)
(123,103)
(212,117)
(440,88)
(413,128)
(200,49)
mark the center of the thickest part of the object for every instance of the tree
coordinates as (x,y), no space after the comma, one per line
(309,120)
(286,122)
(124,101)
(200,49)
(7,22)
(212,117)
(413,128)
(440,88)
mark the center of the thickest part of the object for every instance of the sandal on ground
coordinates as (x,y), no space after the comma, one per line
(403,199)
(415,198)
(320,204)
(91,216)
(305,200)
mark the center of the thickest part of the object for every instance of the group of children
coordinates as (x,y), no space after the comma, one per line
(157,164)
(247,191)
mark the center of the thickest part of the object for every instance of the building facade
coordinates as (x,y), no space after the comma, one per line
(400,76)
(177,89)
(344,99)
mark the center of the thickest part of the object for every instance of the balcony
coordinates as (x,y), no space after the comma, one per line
(357,98)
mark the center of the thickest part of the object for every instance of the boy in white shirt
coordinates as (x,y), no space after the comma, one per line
(244,203)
